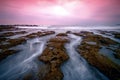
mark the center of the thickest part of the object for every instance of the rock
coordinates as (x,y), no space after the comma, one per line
(61,34)
(117,55)
(68,32)
(83,33)
(3,39)
(21,32)
(60,39)
(39,34)
(7,34)
(117,35)
(99,40)
(54,55)
(44,69)
(7,53)
(32,35)
(103,63)
(6,28)
(54,74)
(28,77)
(13,42)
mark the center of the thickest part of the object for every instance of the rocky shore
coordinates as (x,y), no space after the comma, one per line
(89,49)
(6,42)
(92,48)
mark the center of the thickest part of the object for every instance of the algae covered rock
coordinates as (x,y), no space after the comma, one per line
(101,62)
(53,56)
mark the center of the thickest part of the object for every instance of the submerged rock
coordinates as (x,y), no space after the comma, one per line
(53,56)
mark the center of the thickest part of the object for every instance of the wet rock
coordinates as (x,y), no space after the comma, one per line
(7,53)
(117,55)
(44,69)
(117,35)
(32,35)
(53,56)
(68,32)
(83,33)
(21,32)
(12,43)
(60,39)
(103,63)
(103,32)
(99,40)
(7,34)
(3,39)
(28,77)
(54,74)
(7,27)
(111,33)
(39,34)
(61,34)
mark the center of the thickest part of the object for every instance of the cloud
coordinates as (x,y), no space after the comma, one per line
(39,11)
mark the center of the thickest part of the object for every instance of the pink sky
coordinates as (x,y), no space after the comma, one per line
(59,12)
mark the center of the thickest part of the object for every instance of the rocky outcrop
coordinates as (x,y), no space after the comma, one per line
(101,62)
(53,56)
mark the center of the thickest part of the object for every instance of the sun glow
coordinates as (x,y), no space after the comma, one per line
(60,11)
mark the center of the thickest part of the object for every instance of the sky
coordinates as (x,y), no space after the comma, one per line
(60,12)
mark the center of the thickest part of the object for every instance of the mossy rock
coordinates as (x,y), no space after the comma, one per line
(53,56)
(103,63)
